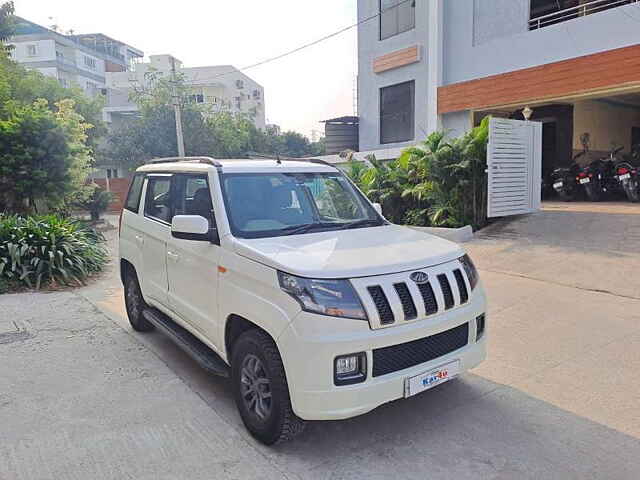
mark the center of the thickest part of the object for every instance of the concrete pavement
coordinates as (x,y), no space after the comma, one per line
(82,396)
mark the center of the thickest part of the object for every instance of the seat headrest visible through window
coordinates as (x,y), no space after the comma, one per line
(201,204)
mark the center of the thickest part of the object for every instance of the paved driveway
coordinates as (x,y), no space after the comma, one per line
(558,398)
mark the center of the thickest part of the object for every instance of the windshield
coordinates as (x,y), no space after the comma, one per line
(273,204)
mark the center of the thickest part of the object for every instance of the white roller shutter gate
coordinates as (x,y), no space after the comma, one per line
(514,161)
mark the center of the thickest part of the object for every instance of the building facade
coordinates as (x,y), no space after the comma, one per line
(80,60)
(444,64)
(218,88)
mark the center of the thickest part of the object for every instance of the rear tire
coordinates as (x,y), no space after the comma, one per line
(135,304)
(633,194)
(593,194)
(565,197)
(260,389)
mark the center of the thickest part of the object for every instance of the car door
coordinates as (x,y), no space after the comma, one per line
(192,265)
(157,231)
(132,225)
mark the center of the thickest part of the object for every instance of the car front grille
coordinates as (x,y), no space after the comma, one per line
(405,355)
(408,307)
(446,291)
(396,298)
(429,298)
(462,287)
(382,304)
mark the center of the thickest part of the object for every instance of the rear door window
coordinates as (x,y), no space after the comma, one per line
(157,203)
(135,192)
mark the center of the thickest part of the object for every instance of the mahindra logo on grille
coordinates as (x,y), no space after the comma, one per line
(419,277)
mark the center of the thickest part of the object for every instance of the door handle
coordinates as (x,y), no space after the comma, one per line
(173,256)
(139,239)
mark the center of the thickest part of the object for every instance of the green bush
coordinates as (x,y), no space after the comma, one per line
(442,182)
(95,200)
(48,250)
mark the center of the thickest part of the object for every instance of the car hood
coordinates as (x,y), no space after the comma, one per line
(351,253)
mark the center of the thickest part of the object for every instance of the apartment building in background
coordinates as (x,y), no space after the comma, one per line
(82,60)
(445,64)
(217,88)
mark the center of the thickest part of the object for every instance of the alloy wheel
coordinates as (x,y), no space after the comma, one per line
(255,387)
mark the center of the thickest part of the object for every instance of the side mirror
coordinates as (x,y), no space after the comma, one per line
(190,227)
(378,208)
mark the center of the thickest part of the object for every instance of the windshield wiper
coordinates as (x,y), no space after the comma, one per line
(311,227)
(366,222)
(306,228)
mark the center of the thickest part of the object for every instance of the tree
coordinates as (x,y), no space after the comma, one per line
(7,26)
(20,86)
(220,134)
(43,155)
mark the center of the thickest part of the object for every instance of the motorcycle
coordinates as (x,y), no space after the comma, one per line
(629,178)
(564,181)
(600,179)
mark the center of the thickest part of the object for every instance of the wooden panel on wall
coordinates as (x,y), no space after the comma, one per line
(113,67)
(591,73)
(396,59)
(119,187)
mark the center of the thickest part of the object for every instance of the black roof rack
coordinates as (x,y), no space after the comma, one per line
(207,160)
(281,159)
(317,160)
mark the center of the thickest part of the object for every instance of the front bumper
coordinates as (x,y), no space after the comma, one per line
(311,343)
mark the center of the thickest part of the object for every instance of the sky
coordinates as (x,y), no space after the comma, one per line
(300,90)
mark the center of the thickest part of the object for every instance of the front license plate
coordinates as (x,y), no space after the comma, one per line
(430,379)
(626,176)
(557,185)
(584,180)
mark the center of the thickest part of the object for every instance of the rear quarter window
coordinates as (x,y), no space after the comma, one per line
(135,192)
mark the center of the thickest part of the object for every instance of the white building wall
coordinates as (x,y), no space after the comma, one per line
(50,72)
(488,37)
(475,39)
(90,79)
(219,81)
(426,73)
(45,51)
(608,124)
(83,67)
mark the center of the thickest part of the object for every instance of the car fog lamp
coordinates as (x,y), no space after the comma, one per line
(350,369)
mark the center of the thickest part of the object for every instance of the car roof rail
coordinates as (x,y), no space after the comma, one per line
(319,161)
(280,159)
(206,160)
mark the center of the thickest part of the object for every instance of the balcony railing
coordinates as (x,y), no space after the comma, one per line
(65,62)
(576,12)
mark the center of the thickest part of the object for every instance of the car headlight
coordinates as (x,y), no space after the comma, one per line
(336,298)
(470,268)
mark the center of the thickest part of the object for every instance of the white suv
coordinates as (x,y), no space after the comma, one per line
(283,276)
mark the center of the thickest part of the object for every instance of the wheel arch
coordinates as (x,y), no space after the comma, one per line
(236,325)
(125,267)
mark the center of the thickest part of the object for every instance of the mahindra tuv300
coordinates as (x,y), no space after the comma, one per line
(283,276)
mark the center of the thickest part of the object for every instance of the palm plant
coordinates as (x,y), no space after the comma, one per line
(440,182)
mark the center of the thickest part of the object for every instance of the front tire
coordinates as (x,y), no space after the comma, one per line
(260,389)
(135,304)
